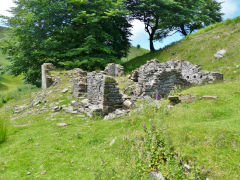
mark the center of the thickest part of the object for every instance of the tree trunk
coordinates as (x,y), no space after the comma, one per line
(183,31)
(151,43)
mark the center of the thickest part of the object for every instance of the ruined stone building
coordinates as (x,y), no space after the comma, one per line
(160,78)
(103,92)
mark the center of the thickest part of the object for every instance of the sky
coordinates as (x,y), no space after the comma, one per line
(230,8)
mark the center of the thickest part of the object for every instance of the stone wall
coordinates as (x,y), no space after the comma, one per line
(158,79)
(79,82)
(114,70)
(103,92)
(47,79)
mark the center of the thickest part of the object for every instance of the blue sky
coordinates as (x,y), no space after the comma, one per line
(231,9)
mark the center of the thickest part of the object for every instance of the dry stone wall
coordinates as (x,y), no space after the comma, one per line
(79,82)
(157,79)
(103,92)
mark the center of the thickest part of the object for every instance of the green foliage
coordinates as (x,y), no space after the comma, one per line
(72,33)
(195,15)
(163,18)
(155,154)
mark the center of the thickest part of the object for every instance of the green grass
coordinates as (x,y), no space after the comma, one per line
(206,132)
(134,52)
(3,130)
(203,134)
(200,48)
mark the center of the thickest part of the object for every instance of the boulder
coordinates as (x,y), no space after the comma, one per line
(127,104)
(220,54)
(209,98)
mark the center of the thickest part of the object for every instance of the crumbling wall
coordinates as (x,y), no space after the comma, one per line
(47,79)
(103,92)
(155,78)
(114,70)
(79,82)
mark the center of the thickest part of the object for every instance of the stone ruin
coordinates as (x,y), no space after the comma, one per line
(114,70)
(79,82)
(154,79)
(157,79)
(47,79)
(104,96)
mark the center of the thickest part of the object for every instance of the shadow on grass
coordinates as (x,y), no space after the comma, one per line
(3,87)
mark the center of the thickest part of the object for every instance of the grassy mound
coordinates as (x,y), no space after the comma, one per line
(199,48)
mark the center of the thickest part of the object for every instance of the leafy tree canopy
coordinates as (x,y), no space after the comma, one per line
(165,17)
(70,33)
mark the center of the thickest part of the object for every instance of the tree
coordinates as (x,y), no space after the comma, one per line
(195,14)
(163,18)
(152,13)
(68,33)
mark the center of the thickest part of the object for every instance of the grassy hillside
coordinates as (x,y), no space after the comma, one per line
(200,48)
(135,52)
(203,134)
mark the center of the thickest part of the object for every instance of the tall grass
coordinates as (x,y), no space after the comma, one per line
(3,131)
(15,94)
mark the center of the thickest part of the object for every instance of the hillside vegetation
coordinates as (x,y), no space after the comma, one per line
(204,134)
(135,52)
(200,47)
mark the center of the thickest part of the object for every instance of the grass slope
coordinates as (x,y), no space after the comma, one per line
(200,48)
(134,52)
(204,134)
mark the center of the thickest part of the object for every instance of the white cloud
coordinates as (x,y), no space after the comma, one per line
(138,27)
(229,7)
(5,6)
